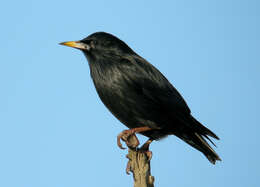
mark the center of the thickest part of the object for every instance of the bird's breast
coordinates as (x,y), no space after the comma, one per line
(113,90)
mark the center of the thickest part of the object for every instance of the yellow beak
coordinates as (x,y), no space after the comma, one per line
(74,44)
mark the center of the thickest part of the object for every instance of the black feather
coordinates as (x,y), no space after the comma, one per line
(139,95)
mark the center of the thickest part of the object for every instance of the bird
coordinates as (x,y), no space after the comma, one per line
(139,95)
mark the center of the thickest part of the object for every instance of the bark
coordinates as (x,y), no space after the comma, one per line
(139,165)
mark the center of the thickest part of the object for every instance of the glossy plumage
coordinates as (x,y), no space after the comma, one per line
(139,95)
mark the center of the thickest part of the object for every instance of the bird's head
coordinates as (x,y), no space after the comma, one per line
(100,43)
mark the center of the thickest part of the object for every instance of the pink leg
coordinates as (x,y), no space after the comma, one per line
(126,134)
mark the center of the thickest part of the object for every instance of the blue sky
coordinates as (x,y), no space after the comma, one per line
(54,130)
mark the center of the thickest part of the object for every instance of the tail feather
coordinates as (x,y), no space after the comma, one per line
(196,134)
(208,151)
(203,130)
(198,142)
(209,140)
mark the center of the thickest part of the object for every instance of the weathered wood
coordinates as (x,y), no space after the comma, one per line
(139,165)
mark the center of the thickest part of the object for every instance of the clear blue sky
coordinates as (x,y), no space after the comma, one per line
(54,130)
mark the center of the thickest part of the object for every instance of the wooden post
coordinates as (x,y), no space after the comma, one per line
(139,164)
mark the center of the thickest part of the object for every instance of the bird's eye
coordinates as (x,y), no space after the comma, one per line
(90,44)
(93,44)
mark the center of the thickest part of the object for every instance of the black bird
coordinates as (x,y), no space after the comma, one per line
(139,95)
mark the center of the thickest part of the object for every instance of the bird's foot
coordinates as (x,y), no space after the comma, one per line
(145,149)
(129,137)
(145,146)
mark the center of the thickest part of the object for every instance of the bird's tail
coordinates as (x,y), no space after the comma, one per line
(196,138)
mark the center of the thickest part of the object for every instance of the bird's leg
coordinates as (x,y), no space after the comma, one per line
(145,148)
(126,134)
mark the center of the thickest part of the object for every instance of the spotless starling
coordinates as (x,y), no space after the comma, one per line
(139,95)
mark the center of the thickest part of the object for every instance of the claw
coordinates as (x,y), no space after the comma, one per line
(129,137)
(145,149)
(119,137)
(145,146)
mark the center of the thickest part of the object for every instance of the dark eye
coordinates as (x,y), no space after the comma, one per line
(93,42)
(90,43)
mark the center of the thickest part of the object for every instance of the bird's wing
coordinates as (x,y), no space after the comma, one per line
(158,88)
(156,94)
